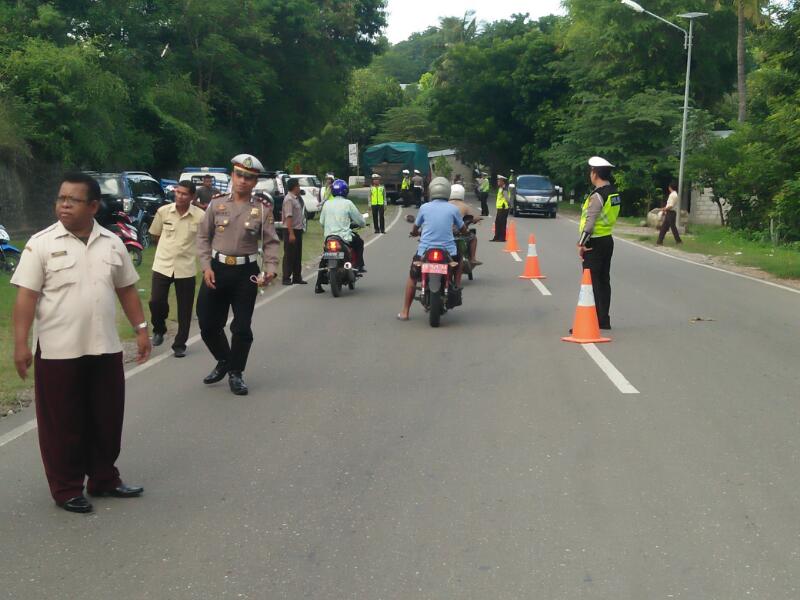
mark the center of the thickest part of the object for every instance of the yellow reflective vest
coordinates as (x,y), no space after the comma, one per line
(502,198)
(406,184)
(604,226)
(377,195)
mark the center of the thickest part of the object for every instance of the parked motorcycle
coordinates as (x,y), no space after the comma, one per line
(438,292)
(123,227)
(341,260)
(9,255)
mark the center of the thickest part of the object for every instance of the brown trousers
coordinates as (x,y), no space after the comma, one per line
(669,223)
(80,404)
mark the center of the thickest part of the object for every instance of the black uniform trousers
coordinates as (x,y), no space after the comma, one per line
(378,219)
(293,257)
(418,196)
(598,261)
(233,290)
(484,199)
(159,306)
(80,404)
(669,223)
(500,221)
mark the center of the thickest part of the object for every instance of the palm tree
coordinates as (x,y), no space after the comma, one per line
(746,10)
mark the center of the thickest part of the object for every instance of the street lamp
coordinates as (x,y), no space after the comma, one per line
(687,45)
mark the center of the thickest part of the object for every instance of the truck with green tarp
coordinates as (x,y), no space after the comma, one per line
(388,160)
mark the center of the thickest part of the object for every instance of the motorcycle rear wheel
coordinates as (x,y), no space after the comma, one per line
(336,285)
(435,312)
(136,256)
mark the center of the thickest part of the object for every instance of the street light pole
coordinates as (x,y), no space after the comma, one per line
(687,44)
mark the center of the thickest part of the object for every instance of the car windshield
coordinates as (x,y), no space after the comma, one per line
(308,181)
(534,182)
(267,185)
(109,186)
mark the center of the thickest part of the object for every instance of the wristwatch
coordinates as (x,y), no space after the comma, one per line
(140,326)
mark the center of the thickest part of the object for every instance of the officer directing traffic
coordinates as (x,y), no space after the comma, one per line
(596,244)
(234,230)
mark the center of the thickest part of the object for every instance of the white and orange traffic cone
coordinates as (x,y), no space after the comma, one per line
(532,270)
(511,238)
(586,329)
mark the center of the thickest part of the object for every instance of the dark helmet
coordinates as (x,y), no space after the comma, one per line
(340,188)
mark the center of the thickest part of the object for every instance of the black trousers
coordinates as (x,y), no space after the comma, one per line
(80,403)
(598,261)
(378,219)
(500,221)
(159,306)
(669,223)
(293,256)
(233,290)
(484,199)
(418,196)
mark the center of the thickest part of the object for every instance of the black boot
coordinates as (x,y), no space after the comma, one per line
(237,384)
(217,374)
(318,289)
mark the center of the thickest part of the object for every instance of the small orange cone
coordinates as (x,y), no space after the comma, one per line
(511,238)
(586,329)
(532,262)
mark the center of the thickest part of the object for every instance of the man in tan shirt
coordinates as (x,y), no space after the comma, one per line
(69,278)
(174,229)
(670,213)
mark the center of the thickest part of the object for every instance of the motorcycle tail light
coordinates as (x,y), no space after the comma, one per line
(436,256)
(334,246)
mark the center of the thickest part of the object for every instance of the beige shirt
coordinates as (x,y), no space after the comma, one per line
(235,230)
(672,201)
(292,207)
(77,283)
(176,254)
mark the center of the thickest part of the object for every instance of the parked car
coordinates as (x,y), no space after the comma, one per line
(310,187)
(271,183)
(535,195)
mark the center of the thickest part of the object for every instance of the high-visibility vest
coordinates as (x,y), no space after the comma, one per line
(377,195)
(406,184)
(484,187)
(502,198)
(327,193)
(604,225)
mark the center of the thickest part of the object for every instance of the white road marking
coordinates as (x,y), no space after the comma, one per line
(21,430)
(516,257)
(617,378)
(541,287)
(712,267)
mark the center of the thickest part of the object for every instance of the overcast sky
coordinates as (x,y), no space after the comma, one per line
(408,16)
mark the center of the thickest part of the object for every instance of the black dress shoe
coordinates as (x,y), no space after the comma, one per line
(319,290)
(121,491)
(217,374)
(158,339)
(286,282)
(301,282)
(179,352)
(237,384)
(78,504)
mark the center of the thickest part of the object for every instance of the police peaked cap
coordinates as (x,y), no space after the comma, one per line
(598,161)
(247,163)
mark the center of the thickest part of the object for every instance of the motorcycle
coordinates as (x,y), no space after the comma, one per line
(438,292)
(124,228)
(9,255)
(340,260)
(141,221)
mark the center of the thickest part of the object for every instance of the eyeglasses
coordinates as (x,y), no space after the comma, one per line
(71,200)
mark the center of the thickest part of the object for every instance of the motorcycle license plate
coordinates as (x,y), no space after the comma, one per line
(336,255)
(435,268)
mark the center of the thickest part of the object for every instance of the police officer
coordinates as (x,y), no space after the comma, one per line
(377,199)
(502,206)
(483,193)
(419,187)
(229,238)
(327,192)
(596,244)
(405,188)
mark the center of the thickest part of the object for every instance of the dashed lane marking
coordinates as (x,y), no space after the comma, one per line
(617,378)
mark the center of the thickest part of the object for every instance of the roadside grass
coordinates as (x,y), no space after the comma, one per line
(574,210)
(14,392)
(780,261)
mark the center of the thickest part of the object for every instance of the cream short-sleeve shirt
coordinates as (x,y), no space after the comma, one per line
(176,253)
(77,283)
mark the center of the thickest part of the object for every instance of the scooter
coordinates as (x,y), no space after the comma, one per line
(124,228)
(339,260)
(438,291)
(9,255)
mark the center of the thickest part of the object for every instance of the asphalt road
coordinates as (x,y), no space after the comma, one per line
(378,459)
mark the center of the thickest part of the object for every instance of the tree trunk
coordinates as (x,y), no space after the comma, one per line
(740,60)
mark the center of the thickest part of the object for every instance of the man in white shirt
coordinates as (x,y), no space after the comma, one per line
(69,278)
(670,212)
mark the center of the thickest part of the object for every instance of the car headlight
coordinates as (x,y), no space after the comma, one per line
(522,198)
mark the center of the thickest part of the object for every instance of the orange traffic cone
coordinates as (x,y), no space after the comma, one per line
(532,262)
(586,329)
(511,238)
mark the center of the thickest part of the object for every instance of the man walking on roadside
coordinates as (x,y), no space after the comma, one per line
(174,231)
(69,279)
(293,235)
(670,212)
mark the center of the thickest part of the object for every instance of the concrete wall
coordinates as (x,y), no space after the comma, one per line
(27,196)
(704,210)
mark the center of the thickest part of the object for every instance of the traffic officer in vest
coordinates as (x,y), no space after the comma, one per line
(377,199)
(596,244)
(483,193)
(327,193)
(405,187)
(235,229)
(502,206)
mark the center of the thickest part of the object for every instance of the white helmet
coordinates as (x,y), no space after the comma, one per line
(457,192)
(439,189)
